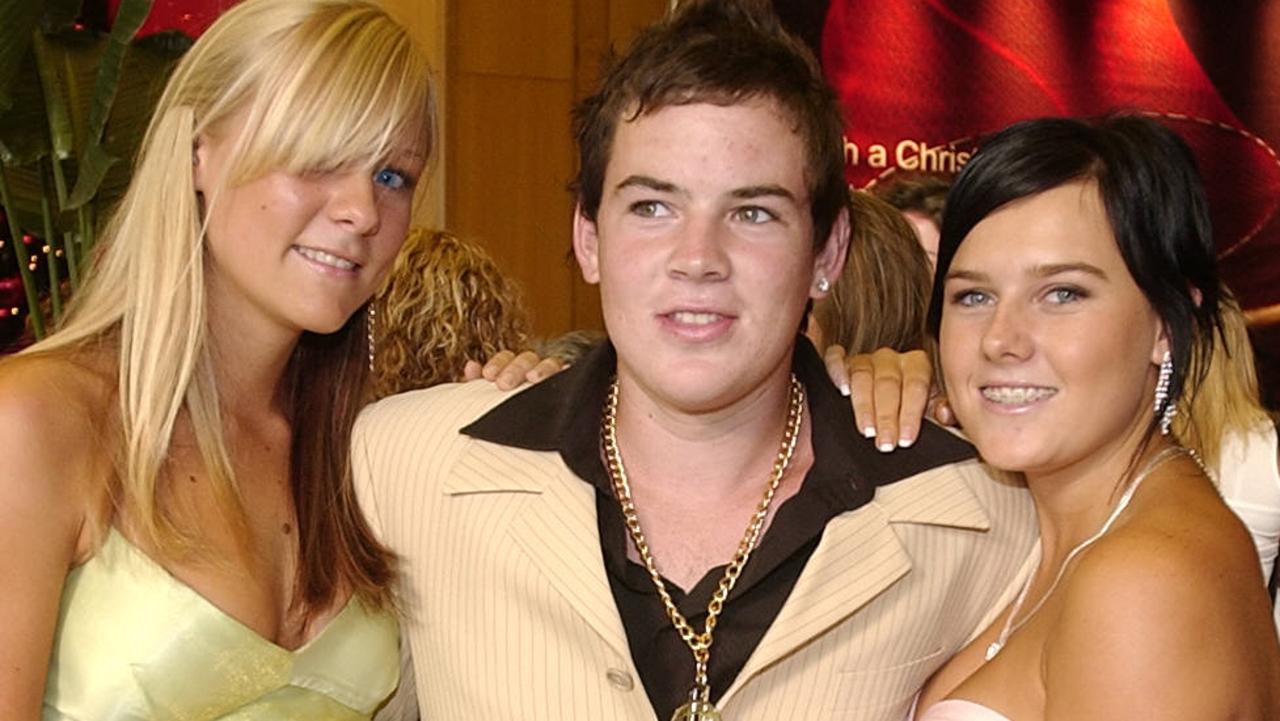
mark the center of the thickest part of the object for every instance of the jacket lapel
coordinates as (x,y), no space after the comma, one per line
(859,557)
(557,530)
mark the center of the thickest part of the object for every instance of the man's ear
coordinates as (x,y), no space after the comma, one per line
(828,264)
(586,246)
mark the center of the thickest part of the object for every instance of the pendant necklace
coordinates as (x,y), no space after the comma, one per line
(699,707)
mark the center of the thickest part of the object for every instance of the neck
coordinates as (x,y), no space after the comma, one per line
(705,456)
(249,358)
(1072,502)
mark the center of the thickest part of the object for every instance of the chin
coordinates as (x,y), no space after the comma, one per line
(326,324)
(1008,453)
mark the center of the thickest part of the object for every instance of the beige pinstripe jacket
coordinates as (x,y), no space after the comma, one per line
(509,613)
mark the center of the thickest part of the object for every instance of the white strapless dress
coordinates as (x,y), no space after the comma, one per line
(956,709)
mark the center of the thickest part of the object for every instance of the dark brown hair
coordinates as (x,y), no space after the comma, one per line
(722,52)
(336,547)
(923,194)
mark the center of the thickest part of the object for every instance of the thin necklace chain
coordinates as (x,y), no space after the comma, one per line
(698,643)
(1010,627)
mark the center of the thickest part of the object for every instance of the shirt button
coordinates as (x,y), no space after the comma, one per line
(620,679)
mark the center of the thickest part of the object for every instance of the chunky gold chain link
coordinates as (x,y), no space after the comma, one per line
(698,643)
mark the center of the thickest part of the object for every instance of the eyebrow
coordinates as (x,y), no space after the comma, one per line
(1046,270)
(764,191)
(1052,269)
(745,193)
(644,181)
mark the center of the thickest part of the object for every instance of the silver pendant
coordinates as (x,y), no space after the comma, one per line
(993,649)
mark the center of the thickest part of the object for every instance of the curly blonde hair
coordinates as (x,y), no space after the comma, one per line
(445,302)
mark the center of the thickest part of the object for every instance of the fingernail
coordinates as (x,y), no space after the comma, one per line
(905,442)
(844,390)
(886,447)
(869,432)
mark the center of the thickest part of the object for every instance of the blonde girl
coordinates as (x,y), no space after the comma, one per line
(176,522)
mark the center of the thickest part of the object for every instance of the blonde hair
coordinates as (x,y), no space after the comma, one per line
(1226,400)
(320,85)
(882,296)
(445,302)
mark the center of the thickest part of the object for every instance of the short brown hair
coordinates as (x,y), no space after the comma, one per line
(923,194)
(722,52)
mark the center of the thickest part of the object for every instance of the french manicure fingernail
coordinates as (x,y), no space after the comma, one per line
(905,442)
(844,390)
(886,447)
(869,432)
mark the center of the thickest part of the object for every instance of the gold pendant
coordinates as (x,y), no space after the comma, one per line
(696,711)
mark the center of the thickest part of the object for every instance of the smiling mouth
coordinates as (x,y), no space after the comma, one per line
(688,317)
(1017,395)
(323,258)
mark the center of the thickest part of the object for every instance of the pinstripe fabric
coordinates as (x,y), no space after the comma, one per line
(509,614)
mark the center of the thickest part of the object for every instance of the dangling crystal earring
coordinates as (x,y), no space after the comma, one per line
(370,321)
(1164,407)
(824,285)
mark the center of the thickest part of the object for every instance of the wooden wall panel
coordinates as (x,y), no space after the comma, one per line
(527,38)
(515,67)
(506,186)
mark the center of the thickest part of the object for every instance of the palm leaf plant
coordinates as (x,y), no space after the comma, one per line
(75,98)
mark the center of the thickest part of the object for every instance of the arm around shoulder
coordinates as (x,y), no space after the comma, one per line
(43,505)
(1162,628)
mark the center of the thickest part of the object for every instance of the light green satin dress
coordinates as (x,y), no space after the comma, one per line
(135,644)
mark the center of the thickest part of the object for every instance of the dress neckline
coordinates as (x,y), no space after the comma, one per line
(129,547)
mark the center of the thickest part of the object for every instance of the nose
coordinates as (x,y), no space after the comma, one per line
(1006,335)
(353,203)
(699,252)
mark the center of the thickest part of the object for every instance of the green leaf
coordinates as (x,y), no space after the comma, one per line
(61,133)
(18,20)
(24,129)
(94,160)
(129,18)
(94,164)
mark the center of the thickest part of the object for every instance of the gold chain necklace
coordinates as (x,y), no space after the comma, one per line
(699,707)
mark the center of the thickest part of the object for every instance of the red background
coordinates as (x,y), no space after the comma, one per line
(944,73)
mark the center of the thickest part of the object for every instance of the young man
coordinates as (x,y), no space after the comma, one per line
(685,524)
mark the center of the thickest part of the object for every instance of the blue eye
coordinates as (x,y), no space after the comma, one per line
(391,178)
(1066,294)
(970,298)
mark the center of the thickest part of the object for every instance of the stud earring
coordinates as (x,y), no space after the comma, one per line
(1164,407)
(824,285)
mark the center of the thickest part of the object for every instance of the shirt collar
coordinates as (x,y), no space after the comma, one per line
(563,414)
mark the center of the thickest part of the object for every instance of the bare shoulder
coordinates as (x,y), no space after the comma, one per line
(50,411)
(1179,538)
(53,410)
(1167,616)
